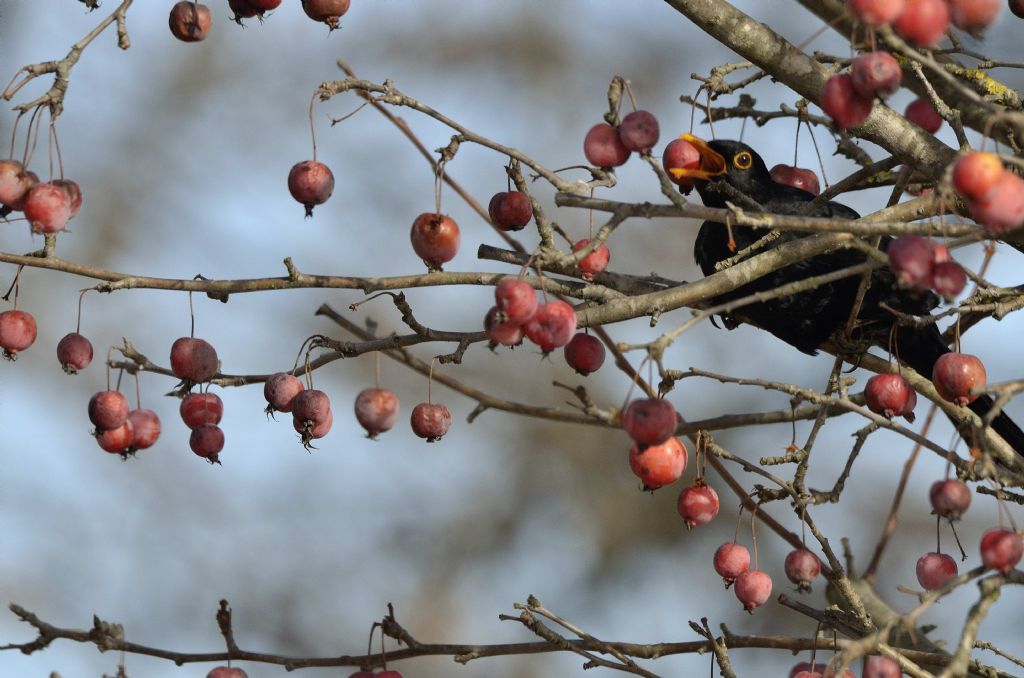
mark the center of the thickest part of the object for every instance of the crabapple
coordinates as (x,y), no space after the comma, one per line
(116,440)
(603,148)
(731,560)
(753,588)
(207,441)
(193,359)
(226,672)
(890,395)
(74,352)
(1002,209)
(876,12)
(1017,7)
(376,410)
(74,193)
(510,210)
(680,155)
(935,569)
(264,5)
(658,465)
(515,299)
(311,405)
(802,567)
(923,22)
(950,498)
(108,410)
(976,174)
(797,177)
(243,9)
(878,666)
(313,430)
(145,428)
(876,74)
(190,21)
(974,15)
(551,326)
(639,131)
(47,208)
(841,102)
(197,409)
(698,504)
(593,263)
(584,353)
(948,279)
(327,11)
(280,390)
(956,374)
(1001,549)
(15,181)
(649,421)
(17,332)
(912,259)
(923,114)
(504,333)
(435,239)
(310,183)
(430,421)
(389,674)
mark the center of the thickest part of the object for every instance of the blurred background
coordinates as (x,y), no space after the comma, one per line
(182,151)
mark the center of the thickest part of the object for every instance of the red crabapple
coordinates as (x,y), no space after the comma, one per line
(1017,7)
(876,12)
(603,148)
(878,666)
(280,390)
(74,352)
(923,22)
(639,131)
(117,440)
(797,177)
(1001,549)
(753,588)
(950,498)
(974,16)
(890,395)
(197,409)
(310,183)
(243,9)
(584,353)
(190,21)
(680,155)
(47,208)
(948,279)
(955,374)
(1002,209)
(935,569)
(503,333)
(207,441)
(311,405)
(264,5)
(510,210)
(923,114)
(802,567)
(313,430)
(193,360)
(841,102)
(698,504)
(389,674)
(805,670)
(435,239)
(515,299)
(226,672)
(108,410)
(912,259)
(731,560)
(17,332)
(376,410)
(15,181)
(145,428)
(593,263)
(876,74)
(551,326)
(976,174)
(74,193)
(327,11)
(658,465)
(649,421)
(430,421)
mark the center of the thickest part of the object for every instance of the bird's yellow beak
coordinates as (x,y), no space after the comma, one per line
(712,164)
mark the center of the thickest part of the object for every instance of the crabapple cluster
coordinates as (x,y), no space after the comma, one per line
(994,195)
(517,313)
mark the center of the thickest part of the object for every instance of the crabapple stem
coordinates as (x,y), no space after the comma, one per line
(312,127)
(78,323)
(192,318)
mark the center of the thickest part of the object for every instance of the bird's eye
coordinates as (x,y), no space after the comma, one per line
(742,160)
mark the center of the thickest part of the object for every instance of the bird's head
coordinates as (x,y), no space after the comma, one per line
(732,161)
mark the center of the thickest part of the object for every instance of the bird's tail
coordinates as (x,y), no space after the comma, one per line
(920,347)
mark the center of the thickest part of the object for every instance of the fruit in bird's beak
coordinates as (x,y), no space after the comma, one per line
(711,164)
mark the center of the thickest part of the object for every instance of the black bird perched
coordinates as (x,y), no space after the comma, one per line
(808,319)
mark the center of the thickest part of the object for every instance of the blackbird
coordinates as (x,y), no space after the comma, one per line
(808,319)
